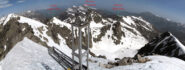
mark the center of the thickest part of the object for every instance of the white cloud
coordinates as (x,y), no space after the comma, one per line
(4,6)
(20,1)
(4,3)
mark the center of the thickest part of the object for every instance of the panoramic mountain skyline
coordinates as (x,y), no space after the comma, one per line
(129,41)
(173,9)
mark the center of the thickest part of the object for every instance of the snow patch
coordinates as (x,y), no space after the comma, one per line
(31,22)
(5,48)
(61,23)
(107,47)
(63,46)
(128,19)
(95,25)
(28,55)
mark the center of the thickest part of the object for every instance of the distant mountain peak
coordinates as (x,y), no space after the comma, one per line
(77,9)
(4,20)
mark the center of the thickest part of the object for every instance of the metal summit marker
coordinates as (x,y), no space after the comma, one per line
(80,55)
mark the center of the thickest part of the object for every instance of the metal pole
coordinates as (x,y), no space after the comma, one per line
(80,47)
(88,49)
(72,42)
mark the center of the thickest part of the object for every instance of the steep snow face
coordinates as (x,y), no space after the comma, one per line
(28,55)
(63,46)
(146,24)
(165,44)
(129,20)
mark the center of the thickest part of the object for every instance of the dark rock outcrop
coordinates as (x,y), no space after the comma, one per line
(129,61)
(12,33)
(165,44)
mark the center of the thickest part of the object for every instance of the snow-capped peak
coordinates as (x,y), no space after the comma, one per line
(78,10)
(31,22)
(22,19)
(12,15)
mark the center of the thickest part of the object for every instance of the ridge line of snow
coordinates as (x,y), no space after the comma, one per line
(160,42)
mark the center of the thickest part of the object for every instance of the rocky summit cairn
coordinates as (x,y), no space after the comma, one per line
(127,61)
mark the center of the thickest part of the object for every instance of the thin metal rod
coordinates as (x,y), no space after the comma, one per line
(88,47)
(80,47)
(72,42)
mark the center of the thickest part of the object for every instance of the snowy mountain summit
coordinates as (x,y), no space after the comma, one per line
(111,37)
(115,33)
(80,14)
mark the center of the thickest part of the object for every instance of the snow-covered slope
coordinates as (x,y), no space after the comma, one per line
(112,37)
(28,55)
(165,44)
(126,48)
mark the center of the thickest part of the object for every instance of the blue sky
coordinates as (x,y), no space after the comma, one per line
(172,9)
